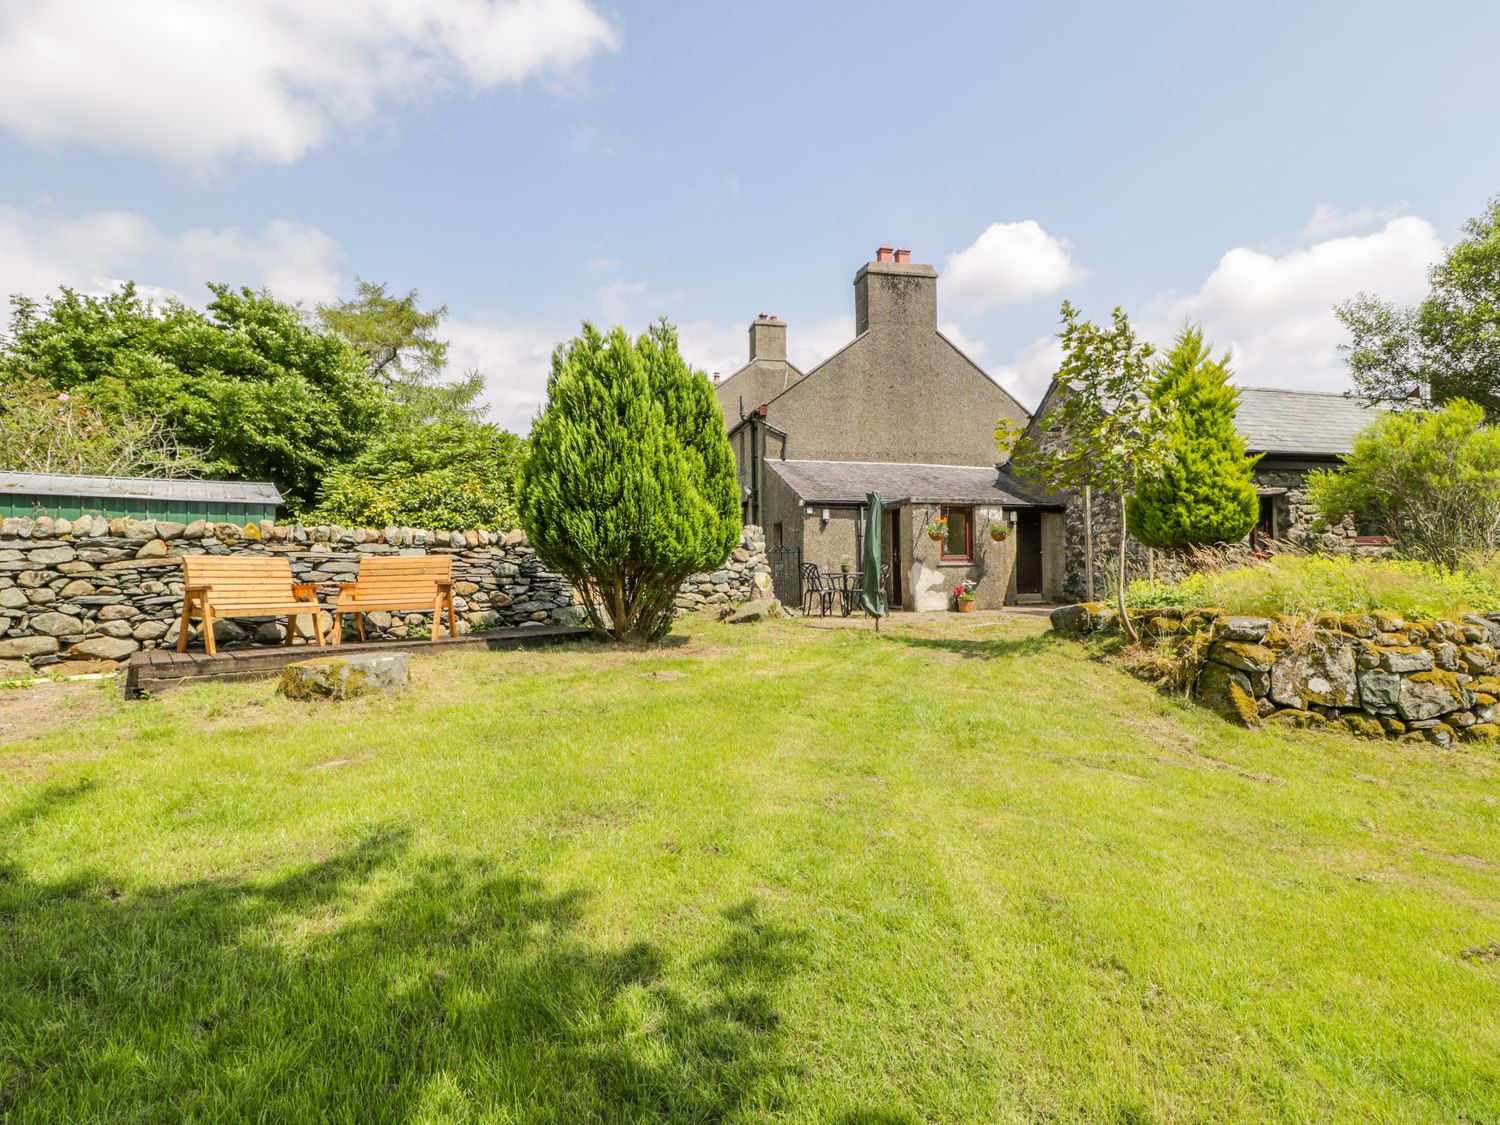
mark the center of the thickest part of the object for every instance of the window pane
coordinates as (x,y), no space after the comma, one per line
(957,543)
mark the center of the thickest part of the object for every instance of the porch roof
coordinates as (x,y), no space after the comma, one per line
(848,482)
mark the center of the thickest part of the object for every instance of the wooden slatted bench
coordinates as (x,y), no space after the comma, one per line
(243,586)
(395,583)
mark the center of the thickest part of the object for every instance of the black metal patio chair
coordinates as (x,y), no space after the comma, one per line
(815,585)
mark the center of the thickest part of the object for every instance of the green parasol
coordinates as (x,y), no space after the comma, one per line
(872,597)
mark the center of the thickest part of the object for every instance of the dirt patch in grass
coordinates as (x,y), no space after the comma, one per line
(30,712)
(1486,954)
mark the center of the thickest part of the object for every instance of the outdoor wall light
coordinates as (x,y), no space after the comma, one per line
(825,515)
(1012,515)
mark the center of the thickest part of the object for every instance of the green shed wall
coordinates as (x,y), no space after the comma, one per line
(180,511)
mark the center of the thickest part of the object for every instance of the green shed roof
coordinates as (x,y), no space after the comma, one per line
(140,488)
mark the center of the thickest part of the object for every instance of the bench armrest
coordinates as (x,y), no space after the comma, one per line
(305,591)
(195,591)
(444,583)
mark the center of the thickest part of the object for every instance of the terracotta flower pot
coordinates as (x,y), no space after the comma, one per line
(965,605)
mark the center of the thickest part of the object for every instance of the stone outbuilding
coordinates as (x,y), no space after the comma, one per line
(1289,433)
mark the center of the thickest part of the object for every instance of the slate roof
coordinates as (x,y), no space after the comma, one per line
(1306,422)
(140,488)
(847,482)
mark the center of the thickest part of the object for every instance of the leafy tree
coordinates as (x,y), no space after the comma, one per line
(248,382)
(453,474)
(1204,491)
(1431,479)
(628,485)
(1446,347)
(402,351)
(48,431)
(1100,435)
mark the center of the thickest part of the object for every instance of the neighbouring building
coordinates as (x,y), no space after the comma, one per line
(901,411)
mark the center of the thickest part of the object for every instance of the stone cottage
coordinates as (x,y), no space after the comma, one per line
(901,411)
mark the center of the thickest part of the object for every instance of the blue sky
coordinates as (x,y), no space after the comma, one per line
(532,163)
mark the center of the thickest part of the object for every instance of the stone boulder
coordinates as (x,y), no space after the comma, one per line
(1246,628)
(754,611)
(1429,695)
(1322,677)
(1227,691)
(103,648)
(345,677)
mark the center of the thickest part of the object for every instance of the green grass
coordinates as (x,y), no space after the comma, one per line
(956,873)
(1308,585)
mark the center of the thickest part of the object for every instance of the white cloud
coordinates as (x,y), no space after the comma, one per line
(807,347)
(1330,220)
(1030,373)
(41,250)
(970,347)
(1009,261)
(633,304)
(515,360)
(1275,313)
(193,83)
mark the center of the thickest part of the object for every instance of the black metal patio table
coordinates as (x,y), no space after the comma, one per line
(847,584)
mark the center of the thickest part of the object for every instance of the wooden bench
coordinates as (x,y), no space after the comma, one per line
(243,586)
(395,583)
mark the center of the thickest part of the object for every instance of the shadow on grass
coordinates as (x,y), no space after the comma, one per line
(1028,645)
(375,985)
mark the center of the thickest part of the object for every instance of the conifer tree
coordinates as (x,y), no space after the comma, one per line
(1203,491)
(629,485)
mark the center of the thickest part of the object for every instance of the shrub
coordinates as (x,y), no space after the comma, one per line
(629,486)
(1432,479)
(451,475)
(1204,491)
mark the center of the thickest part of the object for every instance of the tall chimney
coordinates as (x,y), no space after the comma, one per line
(894,290)
(768,338)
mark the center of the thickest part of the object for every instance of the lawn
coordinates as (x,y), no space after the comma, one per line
(959,872)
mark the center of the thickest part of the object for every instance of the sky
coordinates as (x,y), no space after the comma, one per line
(531,164)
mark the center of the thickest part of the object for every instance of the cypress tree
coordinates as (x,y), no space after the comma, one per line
(1204,492)
(628,485)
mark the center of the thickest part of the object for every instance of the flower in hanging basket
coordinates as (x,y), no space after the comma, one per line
(999,531)
(938,528)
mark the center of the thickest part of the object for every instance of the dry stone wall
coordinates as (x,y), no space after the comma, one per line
(97,589)
(1371,674)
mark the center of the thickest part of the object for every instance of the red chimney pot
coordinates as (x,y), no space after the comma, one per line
(884,254)
(903,254)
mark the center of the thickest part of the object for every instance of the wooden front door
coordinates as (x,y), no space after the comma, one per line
(1028,553)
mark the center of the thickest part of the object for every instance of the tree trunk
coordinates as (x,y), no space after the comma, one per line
(1088,542)
(1125,621)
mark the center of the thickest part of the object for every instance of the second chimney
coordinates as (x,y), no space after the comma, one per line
(768,339)
(903,255)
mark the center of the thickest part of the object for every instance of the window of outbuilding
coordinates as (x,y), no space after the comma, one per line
(958,543)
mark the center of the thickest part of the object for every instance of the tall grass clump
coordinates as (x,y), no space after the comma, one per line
(1306,585)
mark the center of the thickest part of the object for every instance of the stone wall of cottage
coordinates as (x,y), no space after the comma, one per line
(97,589)
(1370,674)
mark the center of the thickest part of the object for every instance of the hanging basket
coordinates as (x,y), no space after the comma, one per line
(999,534)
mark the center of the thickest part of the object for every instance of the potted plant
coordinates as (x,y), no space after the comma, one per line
(963,597)
(999,531)
(938,528)
(846,563)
